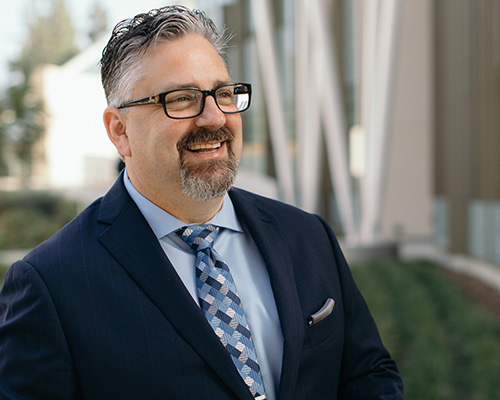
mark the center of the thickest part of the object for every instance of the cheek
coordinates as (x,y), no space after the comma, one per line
(237,147)
(159,140)
(236,129)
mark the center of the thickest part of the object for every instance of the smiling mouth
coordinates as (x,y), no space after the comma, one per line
(204,147)
(205,142)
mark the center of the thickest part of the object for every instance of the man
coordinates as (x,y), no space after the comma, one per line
(252,300)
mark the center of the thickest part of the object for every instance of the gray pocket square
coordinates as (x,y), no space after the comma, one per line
(323,312)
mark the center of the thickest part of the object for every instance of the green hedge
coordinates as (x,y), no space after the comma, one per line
(29,217)
(3,270)
(446,345)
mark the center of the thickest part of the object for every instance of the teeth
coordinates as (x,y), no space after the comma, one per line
(203,146)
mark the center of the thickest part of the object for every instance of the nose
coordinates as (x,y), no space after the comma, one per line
(211,117)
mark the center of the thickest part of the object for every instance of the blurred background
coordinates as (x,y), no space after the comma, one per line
(380,115)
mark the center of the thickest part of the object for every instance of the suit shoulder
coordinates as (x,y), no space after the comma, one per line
(277,207)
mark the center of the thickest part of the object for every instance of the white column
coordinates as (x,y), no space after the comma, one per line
(328,90)
(261,15)
(379,50)
(307,117)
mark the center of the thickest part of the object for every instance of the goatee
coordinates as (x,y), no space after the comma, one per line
(210,179)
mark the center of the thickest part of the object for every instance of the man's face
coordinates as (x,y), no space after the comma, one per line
(194,157)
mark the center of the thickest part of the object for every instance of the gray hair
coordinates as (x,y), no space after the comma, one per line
(132,38)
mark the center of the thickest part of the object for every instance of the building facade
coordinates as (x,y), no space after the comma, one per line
(380,115)
(467,126)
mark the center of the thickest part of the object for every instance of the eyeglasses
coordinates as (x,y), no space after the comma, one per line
(186,103)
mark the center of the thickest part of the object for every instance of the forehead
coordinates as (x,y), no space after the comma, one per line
(187,61)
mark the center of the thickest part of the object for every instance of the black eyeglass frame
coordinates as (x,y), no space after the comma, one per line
(160,99)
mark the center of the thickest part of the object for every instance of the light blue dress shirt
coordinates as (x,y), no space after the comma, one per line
(247,267)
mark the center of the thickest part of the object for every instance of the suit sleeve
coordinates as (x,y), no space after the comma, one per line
(35,362)
(368,372)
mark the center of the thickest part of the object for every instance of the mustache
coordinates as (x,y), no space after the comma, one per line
(205,135)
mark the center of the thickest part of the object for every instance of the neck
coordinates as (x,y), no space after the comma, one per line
(177,204)
(193,211)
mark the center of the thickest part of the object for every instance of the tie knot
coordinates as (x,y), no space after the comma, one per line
(199,237)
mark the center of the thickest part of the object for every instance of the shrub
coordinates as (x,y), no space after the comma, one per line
(3,270)
(29,217)
(446,345)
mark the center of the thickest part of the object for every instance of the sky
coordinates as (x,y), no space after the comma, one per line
(13,27)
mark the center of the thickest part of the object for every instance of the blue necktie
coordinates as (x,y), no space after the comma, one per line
(222,306)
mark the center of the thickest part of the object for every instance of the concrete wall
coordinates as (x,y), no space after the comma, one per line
(408,207)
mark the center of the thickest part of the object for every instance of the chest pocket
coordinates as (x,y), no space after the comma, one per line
(323,324)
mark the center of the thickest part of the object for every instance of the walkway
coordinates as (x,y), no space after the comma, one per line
(484,271)
(7,257)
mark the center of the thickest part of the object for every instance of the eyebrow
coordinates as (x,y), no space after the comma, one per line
(195,86)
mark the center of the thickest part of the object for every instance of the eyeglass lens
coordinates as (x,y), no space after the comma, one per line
(185,103)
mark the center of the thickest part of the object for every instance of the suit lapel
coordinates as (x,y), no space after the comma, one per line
(268,237)
(132,243)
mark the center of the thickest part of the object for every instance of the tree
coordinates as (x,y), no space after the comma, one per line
(50,39)
(4,120)
(98,20)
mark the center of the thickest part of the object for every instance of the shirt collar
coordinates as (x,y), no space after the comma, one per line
(162,223)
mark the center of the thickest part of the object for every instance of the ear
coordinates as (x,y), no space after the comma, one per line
(114,122)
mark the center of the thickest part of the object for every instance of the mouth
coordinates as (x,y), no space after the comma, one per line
(205,148)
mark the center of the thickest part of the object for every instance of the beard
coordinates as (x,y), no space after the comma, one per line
(211,179)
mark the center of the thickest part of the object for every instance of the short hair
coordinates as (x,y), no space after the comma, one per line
(132,38)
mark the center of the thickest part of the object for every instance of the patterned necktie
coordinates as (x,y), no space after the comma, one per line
(222,306)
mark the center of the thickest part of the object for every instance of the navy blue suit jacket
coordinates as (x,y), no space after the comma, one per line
(98,312)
